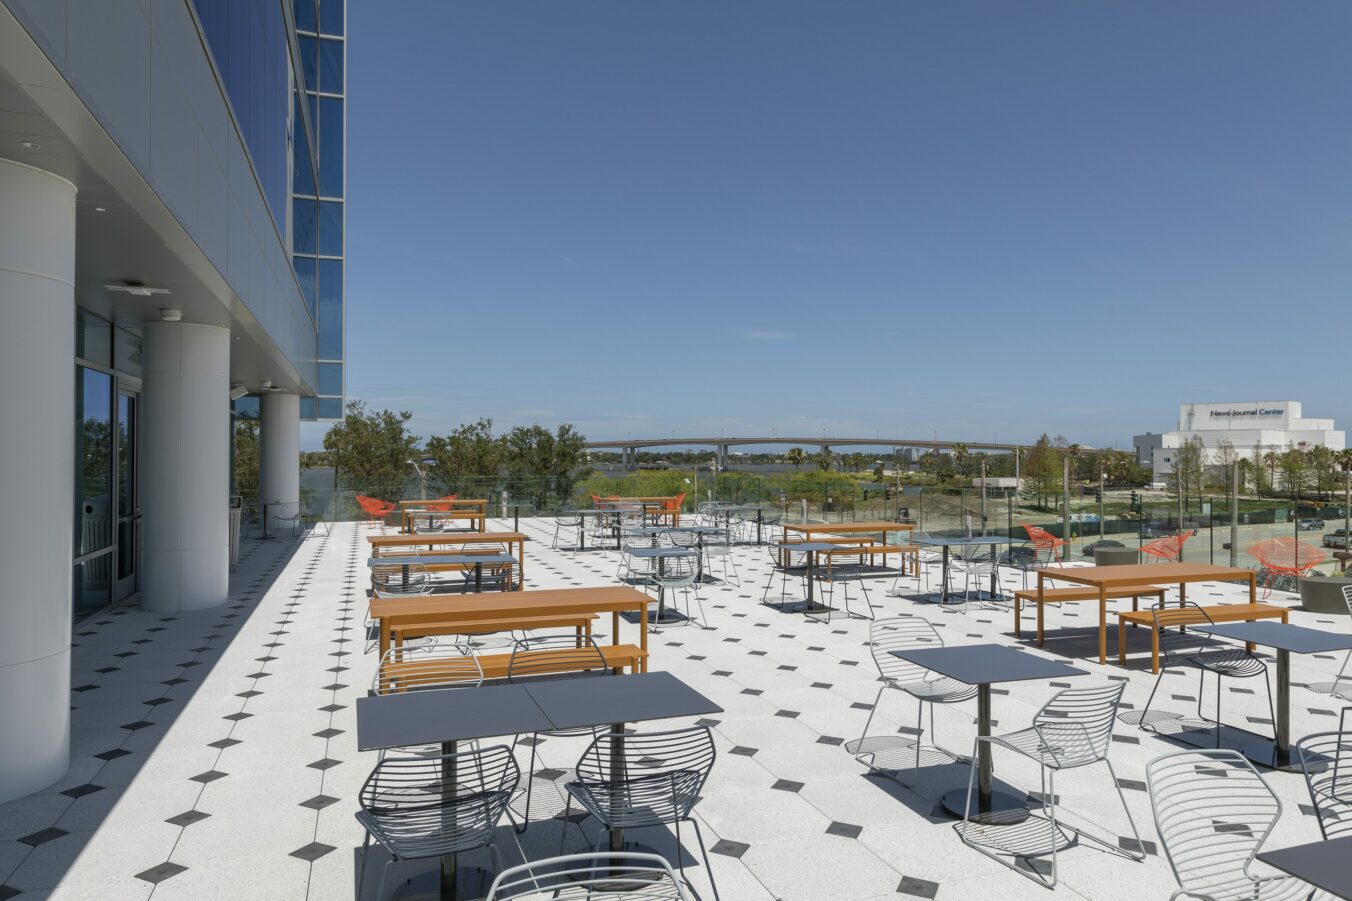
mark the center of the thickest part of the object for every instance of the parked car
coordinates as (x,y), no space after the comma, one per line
(1336,539)
(1309,525)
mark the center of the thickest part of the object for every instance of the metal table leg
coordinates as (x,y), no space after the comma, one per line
(989,805)
(1277,755)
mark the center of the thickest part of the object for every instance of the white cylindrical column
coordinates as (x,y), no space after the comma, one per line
(185,466)
(279,453)
(37,474)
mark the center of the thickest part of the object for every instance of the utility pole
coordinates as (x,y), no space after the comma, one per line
(1103,481)
(1234,513)
(983,495)
(1065,504)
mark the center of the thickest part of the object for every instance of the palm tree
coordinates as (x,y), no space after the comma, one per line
(1344,458)
(796,456)
(824,457)
(1271,459)
(960,455)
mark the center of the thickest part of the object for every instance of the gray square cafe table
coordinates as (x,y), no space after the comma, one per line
(981,665)
(1326,864)
(1286,640)
(944,542)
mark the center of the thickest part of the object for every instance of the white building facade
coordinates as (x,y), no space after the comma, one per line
(1272,425)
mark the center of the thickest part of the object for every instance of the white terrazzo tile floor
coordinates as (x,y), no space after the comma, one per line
(214,753)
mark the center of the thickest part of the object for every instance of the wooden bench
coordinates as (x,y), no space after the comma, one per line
(415,672)
(581,622)
(1219,613)
(1067,595)
(905,551)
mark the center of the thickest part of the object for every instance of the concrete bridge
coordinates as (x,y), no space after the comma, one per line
(628,448)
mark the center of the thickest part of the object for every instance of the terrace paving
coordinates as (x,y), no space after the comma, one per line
(214,753)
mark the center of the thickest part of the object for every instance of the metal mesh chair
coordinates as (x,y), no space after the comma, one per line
(1326,761)
(561,524)
(679,574)
(402,577)
(552,656)
(629,781)
(785,562)
(1168,549)
(1342,683)
(1285,557)
(924,556)
(1180,647)
(976,562)
(718,546)
(1030,558)
(1213,812)
(420,807)
(1074,729)
(901,633)
(592,877)
(442,664)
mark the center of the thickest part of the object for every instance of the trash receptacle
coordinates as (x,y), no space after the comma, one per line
(1116,556)
(236,509)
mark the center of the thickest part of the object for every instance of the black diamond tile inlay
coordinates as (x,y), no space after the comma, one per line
(848,830)
(208,776)
(319,802)
(920,888)
(156,875)
(188,817)
(328,733)
(113,754)
(324,763)
(729,848)
(741,751)
(44,836)
(788,785)
(80,791)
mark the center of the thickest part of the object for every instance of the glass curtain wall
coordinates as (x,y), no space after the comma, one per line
(107,508)
(318,205)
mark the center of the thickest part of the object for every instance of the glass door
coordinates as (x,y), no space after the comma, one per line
(128,499)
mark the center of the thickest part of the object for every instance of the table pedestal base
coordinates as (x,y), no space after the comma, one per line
(1265,753)
(472,882)
(1004,809)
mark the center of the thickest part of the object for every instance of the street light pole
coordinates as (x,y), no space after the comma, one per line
(1234,513)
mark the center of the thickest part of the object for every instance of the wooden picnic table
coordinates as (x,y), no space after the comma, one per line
(652,506)
(475,509)
(1105,578)
(868,527)
(394,545)
(449,610)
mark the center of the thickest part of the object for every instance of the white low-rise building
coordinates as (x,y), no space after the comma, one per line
(1272,425)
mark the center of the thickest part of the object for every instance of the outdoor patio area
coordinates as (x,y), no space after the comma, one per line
(215,753)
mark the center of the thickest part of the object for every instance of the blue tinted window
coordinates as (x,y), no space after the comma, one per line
(305,274)
(246,407)
(330,228)
(309,407)
(330,147)
(303,227)
(309,62)
(331,67)
(331,16)
(248,42)
(306,13)
(330,408)
(330,309)
(303,171)
(330,378)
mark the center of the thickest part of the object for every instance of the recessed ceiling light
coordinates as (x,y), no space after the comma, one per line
(30,145)
(100,209)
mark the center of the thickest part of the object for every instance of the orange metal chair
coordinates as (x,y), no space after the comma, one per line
(1044,540)
(1285,557)
(375,509)
(1167,549)
(442,508)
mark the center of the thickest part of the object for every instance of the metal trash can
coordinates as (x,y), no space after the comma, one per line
(236,509)
(1116,556)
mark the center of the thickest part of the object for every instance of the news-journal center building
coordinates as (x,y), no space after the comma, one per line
(172,221)
(1273,424)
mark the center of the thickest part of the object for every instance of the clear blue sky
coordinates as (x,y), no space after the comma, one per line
(981,220)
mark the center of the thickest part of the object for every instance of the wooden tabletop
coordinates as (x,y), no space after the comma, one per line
(378,541)
(1146,574)
(561,601)
(873,526)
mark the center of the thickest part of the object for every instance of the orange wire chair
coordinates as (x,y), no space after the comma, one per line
(1167,549)
(1044,540)
(441,508)
(375,509)
(1285,557)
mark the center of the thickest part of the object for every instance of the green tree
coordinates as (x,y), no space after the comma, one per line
(551,459)
(1295,469)
(795,457)
(1258,466)
(960,456)
(246,456)
(469,452)
(824,458)
(1270,460)
(1186,479)
(1324,470)
(1041,473)
(1225,457)
(371,450)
